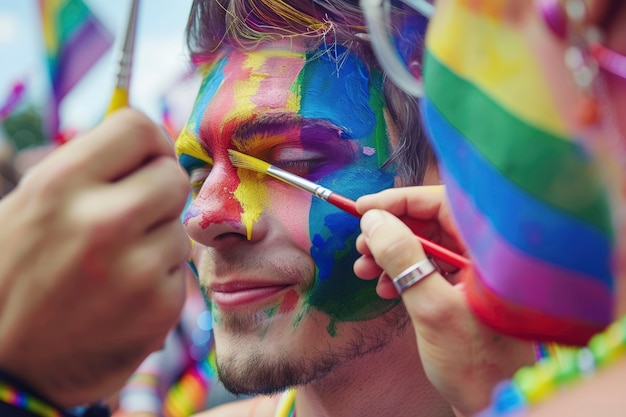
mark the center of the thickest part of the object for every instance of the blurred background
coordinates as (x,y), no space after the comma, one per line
(159,85)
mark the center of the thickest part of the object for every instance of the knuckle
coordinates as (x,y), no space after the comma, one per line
(139,125)
(399,251)
(51,184)
(104,227)
(97,229)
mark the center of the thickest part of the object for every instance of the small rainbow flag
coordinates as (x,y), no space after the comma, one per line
(12,101)
(528,198)
(74,41)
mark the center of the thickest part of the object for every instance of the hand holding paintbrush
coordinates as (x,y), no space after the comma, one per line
(241,160)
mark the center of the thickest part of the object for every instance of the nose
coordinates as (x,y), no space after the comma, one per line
(228,208)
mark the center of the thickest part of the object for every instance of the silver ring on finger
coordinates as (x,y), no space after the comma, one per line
(413,274)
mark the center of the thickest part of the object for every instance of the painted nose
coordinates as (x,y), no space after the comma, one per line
(228,208)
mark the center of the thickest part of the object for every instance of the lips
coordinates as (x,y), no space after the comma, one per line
(235,296)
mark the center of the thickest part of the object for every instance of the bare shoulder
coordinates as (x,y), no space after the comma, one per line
(260,406)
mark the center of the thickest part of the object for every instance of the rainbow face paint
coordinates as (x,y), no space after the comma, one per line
(316,113)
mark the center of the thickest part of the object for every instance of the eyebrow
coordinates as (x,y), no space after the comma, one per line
(280,123)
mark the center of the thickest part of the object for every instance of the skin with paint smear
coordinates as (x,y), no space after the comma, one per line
(276,262)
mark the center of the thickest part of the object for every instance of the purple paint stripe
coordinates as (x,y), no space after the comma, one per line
(522,279)
(79,54)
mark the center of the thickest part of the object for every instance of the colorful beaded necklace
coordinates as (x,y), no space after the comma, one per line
(532,384)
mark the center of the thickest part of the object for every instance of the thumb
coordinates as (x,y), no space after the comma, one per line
(392,244)
(395,248)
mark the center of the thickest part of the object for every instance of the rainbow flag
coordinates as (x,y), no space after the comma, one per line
(74,41)
(528,198)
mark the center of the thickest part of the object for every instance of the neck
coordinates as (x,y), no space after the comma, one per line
(389,382)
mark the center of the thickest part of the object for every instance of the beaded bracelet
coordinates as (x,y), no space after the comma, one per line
(18,399)
(531,384)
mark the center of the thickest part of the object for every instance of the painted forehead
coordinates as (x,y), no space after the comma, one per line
(330,86)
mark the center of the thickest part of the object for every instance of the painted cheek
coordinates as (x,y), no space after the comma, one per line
(293,207)
(337,291)
(289,302)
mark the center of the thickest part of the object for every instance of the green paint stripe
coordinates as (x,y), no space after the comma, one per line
(377,103)
(71,17)
(553,169)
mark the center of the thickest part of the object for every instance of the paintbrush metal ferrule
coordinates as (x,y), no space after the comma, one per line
(126,54)
(299,182)
(123,72)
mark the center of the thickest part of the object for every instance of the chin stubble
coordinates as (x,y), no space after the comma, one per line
(258,372)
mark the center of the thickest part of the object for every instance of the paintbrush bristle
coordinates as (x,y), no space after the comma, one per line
(241,160)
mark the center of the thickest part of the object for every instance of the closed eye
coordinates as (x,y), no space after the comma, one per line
(300,167)
(296,160)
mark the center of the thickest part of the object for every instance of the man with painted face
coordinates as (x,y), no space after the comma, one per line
(295,84)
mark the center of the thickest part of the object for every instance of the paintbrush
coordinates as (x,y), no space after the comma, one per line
(242,160)
(122,86)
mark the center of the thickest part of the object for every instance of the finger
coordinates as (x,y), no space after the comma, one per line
(385,288)
(419,203)
(393,245)
(432,300)
(155,194)
(366,268)
(361,245)
(157,257)
(424,209)
(118,146)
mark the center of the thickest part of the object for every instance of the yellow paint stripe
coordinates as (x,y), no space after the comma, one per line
(483,50)
(252,191)
(188,144)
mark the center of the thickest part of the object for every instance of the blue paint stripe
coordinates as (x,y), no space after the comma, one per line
(526,223)
(208,88)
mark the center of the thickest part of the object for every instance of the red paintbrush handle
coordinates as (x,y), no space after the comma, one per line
(432,249)
(443,254)
(344,203)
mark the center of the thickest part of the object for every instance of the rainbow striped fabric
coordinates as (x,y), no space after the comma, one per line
(190,393)
(527,198)
(74,40)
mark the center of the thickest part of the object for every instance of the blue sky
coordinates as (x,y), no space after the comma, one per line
(159,57)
